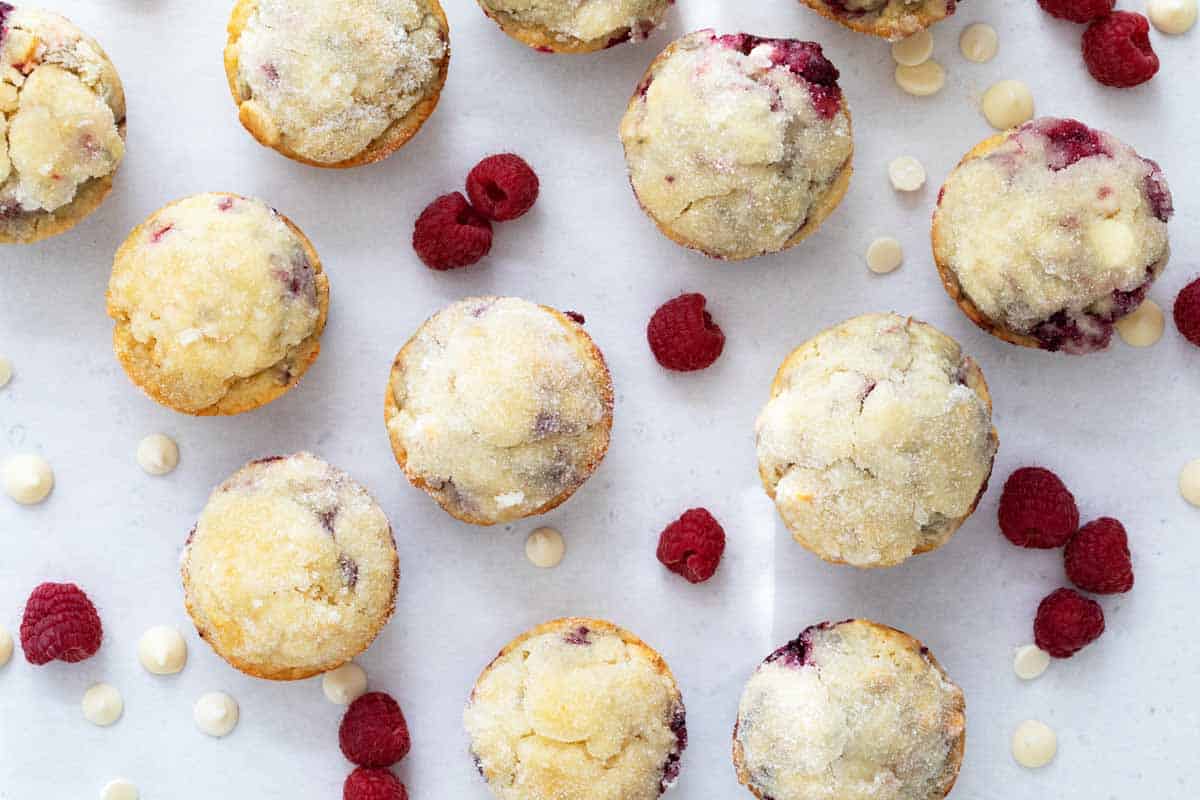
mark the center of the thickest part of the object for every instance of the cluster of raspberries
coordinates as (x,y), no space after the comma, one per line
(374,736)
(1037,510)
(452,232)
(1116,44)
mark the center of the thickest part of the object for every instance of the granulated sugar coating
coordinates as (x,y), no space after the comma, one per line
(602,22)
(852,711)
(877,441)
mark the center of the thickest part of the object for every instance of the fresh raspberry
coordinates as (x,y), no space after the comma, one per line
(502,187)
(373,784)
(373,731)
(60,624)
(692,545)
(1077,10)
(1037,510)
(683,335)
(1097,558)
(1117,50)
(1187,312)
(1067,622)
(450,233)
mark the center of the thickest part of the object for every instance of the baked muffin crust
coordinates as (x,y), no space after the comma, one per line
(576,26)
(889,19)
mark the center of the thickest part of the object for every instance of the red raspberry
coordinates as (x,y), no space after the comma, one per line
(373,784)
(1187,312)
(451,234)
(1037,510)
(60,624)
(692,545)
(683,335)
(1067,622)
(373,732)
(502,187)
(1117,50)
(1077,10)
(1097,558)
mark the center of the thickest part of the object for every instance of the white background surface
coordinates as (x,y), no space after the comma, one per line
(1118,426)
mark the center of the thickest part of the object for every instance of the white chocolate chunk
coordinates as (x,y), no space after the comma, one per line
(162,650)
(1144,326)
(345,684)
(979,43)
(922,80)
(914,50)
(157,454)
(906,174)
(216,714)
(1034,744)
(119,789)
(884,255)
(545,548)
(1113,241)
(6,646)
(28,479)
(1189,482)
(1007,104)
(6,371)
(1030,662)
(102,705)
(1172,17)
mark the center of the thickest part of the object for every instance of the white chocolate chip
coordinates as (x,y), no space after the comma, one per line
(162,650)
(1189,483)
(1144,326)
(1113,242)
(157,454)
(1030,662)
(884,255)
(28,479)
(510,499)
(6,646)
(102,705)
(1034,744)
(914,50)
(922,80)
(6,371)
(545,548)
(906,174)
(345,684)
(216,714)
(979,42)
(1007,104)
(1172,16)
(119,789)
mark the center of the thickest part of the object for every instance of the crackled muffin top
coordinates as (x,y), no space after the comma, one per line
(891,19)
(1054,230)
(499,408)
(579,709)
(877,440)
(209,291)
(608,21)
(852,711)
(733,142)
(324,80)
(62,108)
(291,569)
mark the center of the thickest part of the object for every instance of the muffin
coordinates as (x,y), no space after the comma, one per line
(569,26)
(499,408)
(888,19)
(1047,234)
(850,711)
(877,441)
(336,84)
(737,145)
(291,570)
(219,303)
(580,709)
(62,124)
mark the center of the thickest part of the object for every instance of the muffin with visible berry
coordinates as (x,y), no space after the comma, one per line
(499,408)
(569,26)
(336,84)
(877,442)
(219,303)
(850,710)
(291,569)
(62,124)
(1047,234)
(738,146)
(577,708)
(888,19)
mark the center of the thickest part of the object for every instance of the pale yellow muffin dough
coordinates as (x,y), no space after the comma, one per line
(499,408)
(852,711)
(62,123)
(218,302)
(576,24)
(877,441)
(577,709)
(738,146)
(889,19)
(291,569)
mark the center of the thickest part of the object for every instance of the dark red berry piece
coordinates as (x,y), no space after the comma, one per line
(692,545)
(60,624)
(502,187)
(373,732)
(450,233)
(1037,510)
(1069,141)
(1077,10)
(1097,558)
(373,784)
(1187,312)
(1067,622)
(683,336)
(1117,50)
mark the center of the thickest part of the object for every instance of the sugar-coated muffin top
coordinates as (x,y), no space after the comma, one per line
(891,19)
(852,711)
(877,440)
(61,105)
(733,141)
(584,20)
(499,406)
(216,288)
(291,569)
(1055,232)
(324,80)
(577,709)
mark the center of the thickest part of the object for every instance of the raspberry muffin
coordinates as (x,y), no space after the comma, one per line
(62,124)
(889,19)
(219,303)
(580,709)
(291,569)
(1047,234)
(571,26)
(850,711)
(499,408)
(877,442)
(737,145)
(336,84)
